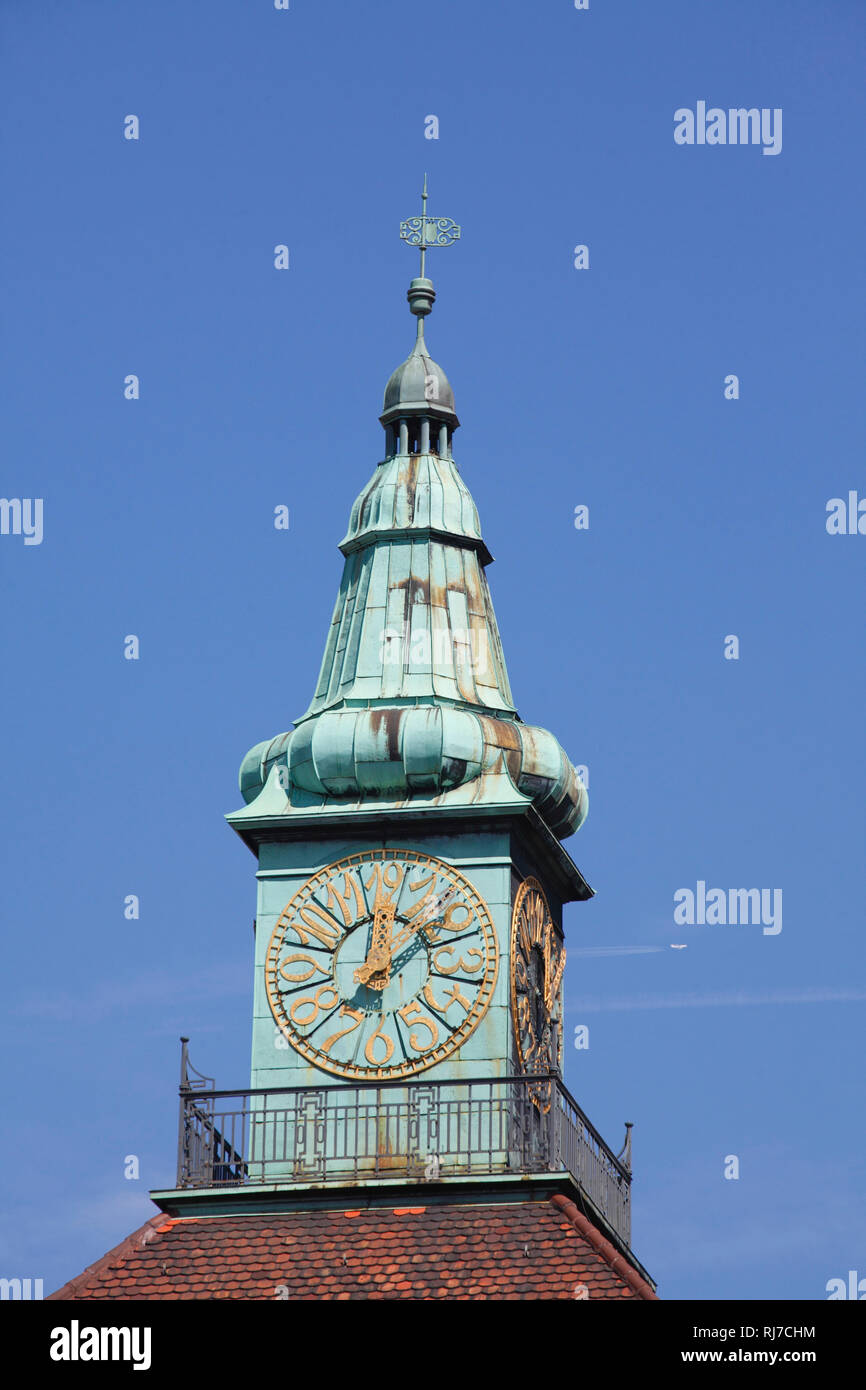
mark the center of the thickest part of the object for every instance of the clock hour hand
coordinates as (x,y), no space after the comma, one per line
(376,970)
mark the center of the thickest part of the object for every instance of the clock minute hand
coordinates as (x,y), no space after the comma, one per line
(424,919)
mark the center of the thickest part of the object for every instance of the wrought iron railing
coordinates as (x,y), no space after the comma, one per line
(416,1131)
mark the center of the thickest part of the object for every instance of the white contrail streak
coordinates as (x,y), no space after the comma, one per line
(819,994)
(613,950)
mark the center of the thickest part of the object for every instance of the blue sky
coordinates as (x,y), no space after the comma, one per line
(602,387)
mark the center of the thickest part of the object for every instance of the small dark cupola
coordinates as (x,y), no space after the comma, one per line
(418,411)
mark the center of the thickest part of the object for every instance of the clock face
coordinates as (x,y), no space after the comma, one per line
(381,965)
(537,963)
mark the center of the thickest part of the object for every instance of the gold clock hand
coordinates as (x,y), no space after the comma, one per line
(376,969)
(425,918)
(378,959)
(403,936)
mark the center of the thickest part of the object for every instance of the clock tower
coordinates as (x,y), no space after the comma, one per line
(407,1038)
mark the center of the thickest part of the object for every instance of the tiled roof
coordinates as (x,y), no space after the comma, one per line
(536,1249)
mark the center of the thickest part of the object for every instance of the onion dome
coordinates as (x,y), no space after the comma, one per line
(419,385)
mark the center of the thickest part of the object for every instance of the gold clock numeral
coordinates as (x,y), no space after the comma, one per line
(301,979)
(387,876)
(423,881)
(448,923)
(379,1036)
(537,913)
(357,1014)
(317,923)
(453,996)
(411,1014)
(422,903)
(461,964)
(525,936)
(318,1007)
(554,965)
(351,894)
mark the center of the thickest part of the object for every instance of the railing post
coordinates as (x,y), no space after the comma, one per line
(625,1152)
(552,1126)
(181,1124)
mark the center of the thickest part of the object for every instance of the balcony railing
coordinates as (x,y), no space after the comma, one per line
(416,1131)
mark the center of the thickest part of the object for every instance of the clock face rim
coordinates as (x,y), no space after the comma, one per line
(528,885)
(442,1051)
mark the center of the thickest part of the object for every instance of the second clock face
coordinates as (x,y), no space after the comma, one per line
(537,963)
(381,965)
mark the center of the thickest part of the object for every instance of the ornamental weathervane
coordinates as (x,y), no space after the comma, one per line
(427,231)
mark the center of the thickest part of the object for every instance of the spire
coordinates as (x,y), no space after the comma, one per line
(413,697)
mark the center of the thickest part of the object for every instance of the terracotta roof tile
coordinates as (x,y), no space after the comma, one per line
(540,1248)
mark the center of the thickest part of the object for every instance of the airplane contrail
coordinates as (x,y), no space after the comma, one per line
(820,994)
(613,950)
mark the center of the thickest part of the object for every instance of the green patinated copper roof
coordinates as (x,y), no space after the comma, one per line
(414,620)
(413,701)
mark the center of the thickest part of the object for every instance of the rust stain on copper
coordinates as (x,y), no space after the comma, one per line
(502,733)
(389,719)
(407,477)
(416,586)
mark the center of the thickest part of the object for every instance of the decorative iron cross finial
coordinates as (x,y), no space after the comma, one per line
(427,231)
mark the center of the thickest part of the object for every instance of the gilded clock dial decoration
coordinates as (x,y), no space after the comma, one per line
(537,963)
(381,965)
